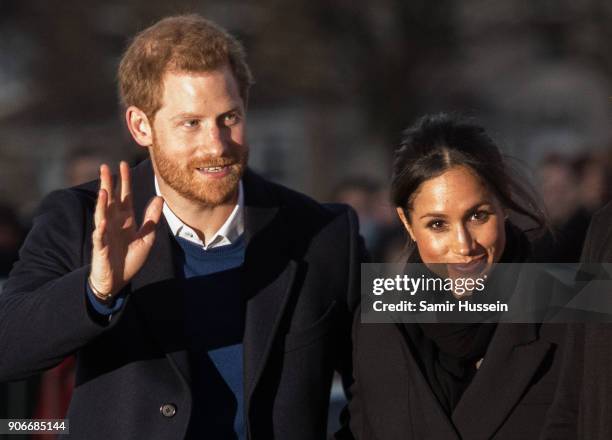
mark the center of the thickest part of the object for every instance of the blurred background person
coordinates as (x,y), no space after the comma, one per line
(392,237)
(560,187)
(17,399)
(593,171)
(11,236)
(360,193)
(83,164)
(378,223)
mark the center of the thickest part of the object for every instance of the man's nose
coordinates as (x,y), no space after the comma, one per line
(213,140)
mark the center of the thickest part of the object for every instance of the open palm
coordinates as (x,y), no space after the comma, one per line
(120,247)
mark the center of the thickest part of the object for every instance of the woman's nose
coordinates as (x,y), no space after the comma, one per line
(463,241)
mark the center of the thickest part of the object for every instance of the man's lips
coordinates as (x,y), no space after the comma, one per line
(473,266)
(215,171)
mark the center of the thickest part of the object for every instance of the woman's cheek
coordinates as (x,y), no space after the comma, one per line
(432,248)
(496,234)
(492,238)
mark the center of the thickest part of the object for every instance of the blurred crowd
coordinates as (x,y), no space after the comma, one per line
(572,187)
(378,222)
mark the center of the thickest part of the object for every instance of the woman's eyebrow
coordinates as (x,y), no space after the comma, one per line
(433,214)
(471,208)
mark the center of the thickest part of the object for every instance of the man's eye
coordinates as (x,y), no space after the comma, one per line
(192,123)
(230,119)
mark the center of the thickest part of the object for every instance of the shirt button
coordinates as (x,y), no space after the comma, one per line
(168,410)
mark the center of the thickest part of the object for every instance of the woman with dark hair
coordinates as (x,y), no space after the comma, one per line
(461,204)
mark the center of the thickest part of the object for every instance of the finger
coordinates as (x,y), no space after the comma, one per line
(106,181)
(98,236)
(126,184)
(151,220)
(154,210)
(100,212)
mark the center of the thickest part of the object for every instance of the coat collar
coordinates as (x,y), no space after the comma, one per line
(512,360)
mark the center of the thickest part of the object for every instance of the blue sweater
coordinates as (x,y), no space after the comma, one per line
(214,326)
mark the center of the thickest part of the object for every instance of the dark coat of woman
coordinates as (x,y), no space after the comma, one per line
(407,385)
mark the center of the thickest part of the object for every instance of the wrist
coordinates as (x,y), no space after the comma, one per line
(103,297)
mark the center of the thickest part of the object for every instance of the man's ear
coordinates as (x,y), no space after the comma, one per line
(402,215)
(139,125)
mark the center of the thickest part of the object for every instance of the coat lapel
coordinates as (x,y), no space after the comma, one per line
(514,355)
(152,292)
(264,312)
(411,393)
(269,274)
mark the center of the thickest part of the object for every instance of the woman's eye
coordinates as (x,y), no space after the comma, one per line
(480,216)
(436,225)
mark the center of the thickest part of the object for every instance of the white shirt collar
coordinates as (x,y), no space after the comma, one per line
(227,233)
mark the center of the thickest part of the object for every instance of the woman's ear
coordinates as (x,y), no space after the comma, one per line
(402,215)
(139,126)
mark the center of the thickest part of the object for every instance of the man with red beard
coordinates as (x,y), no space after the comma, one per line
(202,301)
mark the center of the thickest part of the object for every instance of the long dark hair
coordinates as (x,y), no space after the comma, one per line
(438,142)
